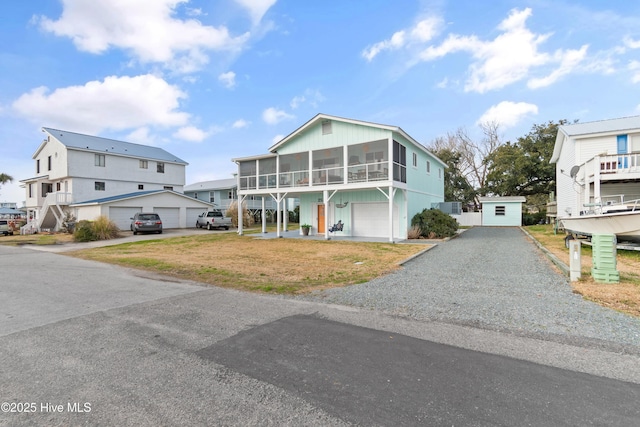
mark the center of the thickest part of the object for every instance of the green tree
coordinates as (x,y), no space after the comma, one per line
(522,168)
(456,185)
(4,178)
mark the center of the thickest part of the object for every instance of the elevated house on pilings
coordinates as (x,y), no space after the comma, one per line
(370,178)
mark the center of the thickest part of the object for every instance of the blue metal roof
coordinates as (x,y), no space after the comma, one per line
(96,143)
(119,197)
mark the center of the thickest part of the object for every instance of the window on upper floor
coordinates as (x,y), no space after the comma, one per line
(160,167)
(38,166)
(399,162)
(99,185)
(144,164)
(168,187)
(415,160)
(428,166)
(49,163)
(30,190)
(57,186)
(100,160)
(439,173)
(211,197)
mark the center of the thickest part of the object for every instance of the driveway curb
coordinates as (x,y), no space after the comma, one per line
(554,259)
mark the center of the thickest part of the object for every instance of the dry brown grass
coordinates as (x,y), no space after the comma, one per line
(243,262)
(623,296)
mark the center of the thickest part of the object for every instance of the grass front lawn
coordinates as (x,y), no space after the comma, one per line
(242,262)
(623,296)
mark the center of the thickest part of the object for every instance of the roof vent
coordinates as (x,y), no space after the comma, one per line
(326,127)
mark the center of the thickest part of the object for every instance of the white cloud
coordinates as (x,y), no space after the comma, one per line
(190,133)
(256,8)
(273,116)
(116,103)
(228,79)
(141,135)
(509,57)
(241,123)
(277,139)
(568,60)
(507,114)
(311,96)
(422,32)
(634,67)
(631,43)
(145,28)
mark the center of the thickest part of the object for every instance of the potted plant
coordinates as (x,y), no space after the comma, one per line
(305,229)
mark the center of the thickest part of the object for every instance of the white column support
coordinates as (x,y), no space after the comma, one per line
(392,194)
(240,214)
(285,215)
(263,216)
(596,180)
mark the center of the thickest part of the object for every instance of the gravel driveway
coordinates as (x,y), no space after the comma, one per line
(493,278)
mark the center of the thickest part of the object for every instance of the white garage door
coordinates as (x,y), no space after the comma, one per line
(371,220)
(170,217)
(122,216)
(192,215)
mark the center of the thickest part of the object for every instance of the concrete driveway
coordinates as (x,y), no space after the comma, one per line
(88,343)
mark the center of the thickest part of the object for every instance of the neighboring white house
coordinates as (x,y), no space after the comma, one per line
(502,211)
(72,168)
(176,210)
(596,162)
(373,178)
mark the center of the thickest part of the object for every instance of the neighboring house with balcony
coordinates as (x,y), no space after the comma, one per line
(372,178)
(596,163)
(222,192)
(89,176)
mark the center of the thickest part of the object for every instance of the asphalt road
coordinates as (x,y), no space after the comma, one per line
(87,343)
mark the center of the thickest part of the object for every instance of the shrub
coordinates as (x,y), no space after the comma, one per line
(100,229)
(232,212)
(84,232)
(434,223)
(414,232)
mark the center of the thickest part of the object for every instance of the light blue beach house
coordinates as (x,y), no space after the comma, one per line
(352,178)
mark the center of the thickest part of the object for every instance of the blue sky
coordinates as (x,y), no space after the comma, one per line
(210,80)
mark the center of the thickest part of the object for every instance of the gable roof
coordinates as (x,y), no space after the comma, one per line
(132,196)
(620,125)
(78,141)
(218,184)
(318,118)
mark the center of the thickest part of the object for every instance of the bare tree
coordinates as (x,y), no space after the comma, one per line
(472,154)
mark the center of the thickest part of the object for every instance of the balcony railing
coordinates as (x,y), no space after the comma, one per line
(613,164)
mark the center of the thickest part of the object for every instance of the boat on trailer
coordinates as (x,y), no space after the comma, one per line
(621,218)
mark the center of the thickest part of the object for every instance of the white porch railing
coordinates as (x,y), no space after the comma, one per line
(54,203)
(613,164)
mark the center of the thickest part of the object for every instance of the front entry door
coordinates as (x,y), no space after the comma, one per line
(321,219)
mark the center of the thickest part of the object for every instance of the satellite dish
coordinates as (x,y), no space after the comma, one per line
(574,171)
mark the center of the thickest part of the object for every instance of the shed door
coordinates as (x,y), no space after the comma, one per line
(372,219)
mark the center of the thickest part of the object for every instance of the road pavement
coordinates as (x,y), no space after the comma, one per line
(83,342)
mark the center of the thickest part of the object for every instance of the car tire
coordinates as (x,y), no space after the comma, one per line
(160,232)
(135,232)
(209,227)
(226,228)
